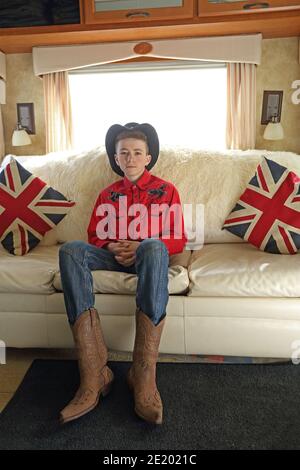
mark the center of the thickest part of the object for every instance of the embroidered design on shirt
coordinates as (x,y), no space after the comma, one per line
(158,192)
(114,196)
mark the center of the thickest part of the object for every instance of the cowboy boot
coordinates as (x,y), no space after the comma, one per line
(141,377)
(95,376)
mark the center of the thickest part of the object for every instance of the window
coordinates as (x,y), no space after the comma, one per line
(184,101)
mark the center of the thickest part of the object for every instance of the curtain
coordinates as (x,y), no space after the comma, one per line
(58,112)
(244,48)
(241,106)
(2,143)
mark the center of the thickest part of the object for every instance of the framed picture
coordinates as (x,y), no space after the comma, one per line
(25,112)
(272,103)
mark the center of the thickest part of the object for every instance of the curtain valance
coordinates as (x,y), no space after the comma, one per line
(243,49)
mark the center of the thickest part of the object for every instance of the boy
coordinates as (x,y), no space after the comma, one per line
(132,150)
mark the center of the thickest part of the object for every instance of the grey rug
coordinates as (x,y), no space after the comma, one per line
(206,406)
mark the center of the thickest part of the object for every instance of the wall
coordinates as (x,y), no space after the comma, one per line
(278,70)
(23,87)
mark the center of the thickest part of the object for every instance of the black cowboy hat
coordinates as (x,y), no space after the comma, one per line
(116,129)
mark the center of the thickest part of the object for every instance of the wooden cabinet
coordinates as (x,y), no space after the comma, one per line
(229,7)
(60,22)
(24,13)
(131,11)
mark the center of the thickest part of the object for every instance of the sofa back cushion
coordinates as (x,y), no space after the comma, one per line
(212,179)
(83,175)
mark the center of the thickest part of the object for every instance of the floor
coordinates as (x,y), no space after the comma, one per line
(18,362)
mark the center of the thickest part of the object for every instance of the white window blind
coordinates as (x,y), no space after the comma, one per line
(184,101)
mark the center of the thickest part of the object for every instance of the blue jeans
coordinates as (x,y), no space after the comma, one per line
(77,259)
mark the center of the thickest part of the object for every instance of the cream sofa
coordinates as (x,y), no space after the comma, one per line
(225,298)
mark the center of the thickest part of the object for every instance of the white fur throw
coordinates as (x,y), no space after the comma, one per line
(215,179)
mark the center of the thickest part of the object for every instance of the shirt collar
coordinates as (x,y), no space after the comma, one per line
(141,183)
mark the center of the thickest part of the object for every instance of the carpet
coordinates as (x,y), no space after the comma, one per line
(206,406)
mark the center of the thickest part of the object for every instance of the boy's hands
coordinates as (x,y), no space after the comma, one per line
(124,251)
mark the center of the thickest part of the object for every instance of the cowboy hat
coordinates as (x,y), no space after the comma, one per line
(145,128)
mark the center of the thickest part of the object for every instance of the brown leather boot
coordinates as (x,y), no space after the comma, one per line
(95,377)
(141,377)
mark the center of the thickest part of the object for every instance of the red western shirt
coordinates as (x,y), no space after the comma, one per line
(150,192)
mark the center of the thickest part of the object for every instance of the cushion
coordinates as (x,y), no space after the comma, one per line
(30,274)
(114,282)
(241,270)
(28,208)
(82,175)
(267,214)
(38,273)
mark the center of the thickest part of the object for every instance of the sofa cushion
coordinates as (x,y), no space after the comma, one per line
(30,274)
(240,270)
(38,272)
(267,214)
(111,282)
(197,174)
(28,208)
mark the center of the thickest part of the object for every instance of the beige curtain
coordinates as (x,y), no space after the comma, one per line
(2,142)
(58,113)
(241,106)
(237,48)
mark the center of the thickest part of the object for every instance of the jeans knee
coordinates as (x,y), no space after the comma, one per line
(72,248)
(152,247)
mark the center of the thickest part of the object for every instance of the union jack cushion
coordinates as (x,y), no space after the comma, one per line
(267,214)
(28,208)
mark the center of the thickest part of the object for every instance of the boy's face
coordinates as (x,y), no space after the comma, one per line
(132,157)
